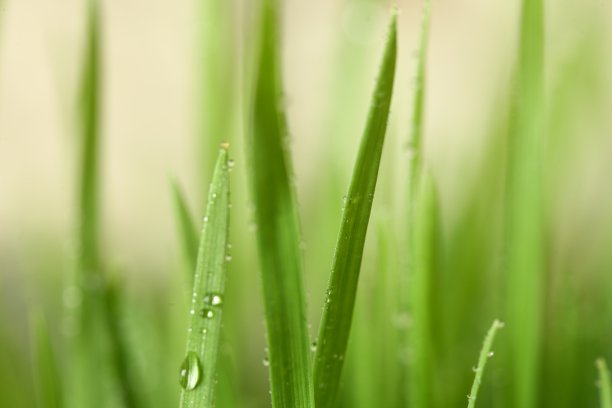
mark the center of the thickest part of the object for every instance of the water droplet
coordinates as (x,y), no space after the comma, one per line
(475,369)
(230,163)
(313,346)
(207,313)
(190,372)
(206,218)
(229,246)
(266,362)
(213,299)
(228,258)
(490,354)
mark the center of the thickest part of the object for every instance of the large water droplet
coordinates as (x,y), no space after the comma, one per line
(207,313)
(190,372)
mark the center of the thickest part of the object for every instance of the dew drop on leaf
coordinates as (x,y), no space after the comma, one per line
(190,372)
(213,299)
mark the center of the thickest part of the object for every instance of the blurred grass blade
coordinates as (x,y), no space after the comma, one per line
(187,231)
(278,234)
(338,311)
(416,125)
(199,370)
(524,246)
(413,372)
(485,354)
(90,131)
(605,391)
(47,377)
(88,370)
(119,353)
(97,336)
(424,236)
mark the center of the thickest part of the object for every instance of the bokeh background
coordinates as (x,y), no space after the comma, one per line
(172,91)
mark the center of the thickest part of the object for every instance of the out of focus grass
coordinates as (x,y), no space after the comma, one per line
(527,239)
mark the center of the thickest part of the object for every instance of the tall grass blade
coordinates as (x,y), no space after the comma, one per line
(605,390)
(187,231)
(485,354)
(278,235)
(199,370)
(88,368)
(338,311)
(424,235)
(47,377)
(415,373)
(99,352)
(524,256)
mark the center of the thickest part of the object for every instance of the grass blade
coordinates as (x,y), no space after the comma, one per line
(424,236)
(524,244)
(48,380)
(412,296)
(119,353)
(278,235)
(187,231)
(337,314)
(199,369)
(605,391)
(100,355)
(88,370)
(416,128)
(485,354)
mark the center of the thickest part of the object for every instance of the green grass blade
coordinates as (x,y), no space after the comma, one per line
(88,370)
(90,131)
(416,125)
(485,354)
(47,377)
(415,373)
(524,256)
(187,231)
(338,311)
(119,353)
(199,370)
(278,235)
(605,390)
(424,236)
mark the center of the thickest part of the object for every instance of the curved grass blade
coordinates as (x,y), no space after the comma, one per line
(187,230)
(605,390)
(524,245)
(338,311)
(278,235)
(485,354)
(199,369)
(48,380)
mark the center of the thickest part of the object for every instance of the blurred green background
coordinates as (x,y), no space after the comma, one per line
(176,81)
